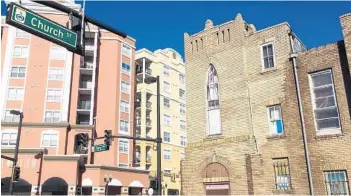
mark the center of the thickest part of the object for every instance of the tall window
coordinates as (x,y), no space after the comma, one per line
(182,108)
(182,78)
(213,109)
(52,116)
(166,70)
(124,106)
(166,87)
(275,120)
(54,95)
(125,87)
(123,146)
(124,126)
(182,156)
(336,182)
(58,53)
(18,72)
(167,154)
(182,94)
(49,139)
(21,34)
(282,173)
(166,120)
(126,50)
(326,114)
(10,117)
(166,102)
(15,93)
(8,138)
(183,140)
(55,73)
(182,124)
(125,68)
(267,56)
(20,51)
(167,137)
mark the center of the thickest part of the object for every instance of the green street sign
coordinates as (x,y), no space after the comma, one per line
(100,147)
(31,22)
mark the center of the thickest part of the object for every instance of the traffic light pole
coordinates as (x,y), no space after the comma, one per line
(16,153)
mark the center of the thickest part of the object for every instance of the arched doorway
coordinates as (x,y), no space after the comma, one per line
(54,186)
(22,187)
(218,179)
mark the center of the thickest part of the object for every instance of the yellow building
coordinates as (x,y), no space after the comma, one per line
(169,65)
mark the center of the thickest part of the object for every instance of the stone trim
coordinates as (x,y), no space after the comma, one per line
(283,136)
(219,179)
(219,140)
(63,157)
(115,168)
(30,124)
(24,150)
(82,126)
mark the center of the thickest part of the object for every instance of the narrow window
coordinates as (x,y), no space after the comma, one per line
(228,34)
(267,56)
(197,47)
(282,173)
(223,36)
(202,43)
(217,38)
(192,47)
(123,146)
(336,182)
(166,102)
(182,140)
(167,137)
(275,120)
(124,126)
(182,124)
(213,109)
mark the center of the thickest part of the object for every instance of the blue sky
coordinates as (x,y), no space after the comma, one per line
(162,24)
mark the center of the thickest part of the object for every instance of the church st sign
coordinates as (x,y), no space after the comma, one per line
(31,22)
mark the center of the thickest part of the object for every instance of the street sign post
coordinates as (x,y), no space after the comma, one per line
(31,22)
(100,147)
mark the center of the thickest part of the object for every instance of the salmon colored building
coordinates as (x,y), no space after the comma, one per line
(63,100)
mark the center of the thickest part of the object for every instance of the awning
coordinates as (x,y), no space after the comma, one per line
(115,182)
(136,183)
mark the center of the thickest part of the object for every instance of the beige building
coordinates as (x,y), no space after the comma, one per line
(169,65)
(63,101)
(245,134)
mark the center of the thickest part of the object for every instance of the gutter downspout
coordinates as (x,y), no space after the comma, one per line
(293,56)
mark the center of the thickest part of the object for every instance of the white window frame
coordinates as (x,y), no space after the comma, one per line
(124,106)
(182,109)
(181,124)
(164,87)
(124,71)
(125,87)
(57,57)
(182,156)
(50,133)
(124,122)
(182,97)
(55,95)
(126,50)
(56,75)
(22,34)
(164,120)
(17,97)
(166,70)
(21,54)
(182,81)
(52,114)
(125,149)
(183,140)
(165,154)
(273,132)
(14,118)
(169,101)
(164,137)
(328,130)
(345,180)
(262,57)
(9,132)
(18,67)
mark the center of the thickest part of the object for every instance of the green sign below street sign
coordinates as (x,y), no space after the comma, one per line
(27,20)
(100,147)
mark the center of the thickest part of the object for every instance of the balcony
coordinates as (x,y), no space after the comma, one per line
(83,119)
(148,123)
(85,87)
(84,107)
(86,68)
(138,105)
(138,122)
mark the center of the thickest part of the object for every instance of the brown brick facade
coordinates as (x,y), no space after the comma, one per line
(245,146)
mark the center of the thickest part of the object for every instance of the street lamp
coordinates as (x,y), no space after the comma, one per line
(107,180)
(150,80)
(20,114)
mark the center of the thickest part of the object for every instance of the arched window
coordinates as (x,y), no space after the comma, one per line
(213,109)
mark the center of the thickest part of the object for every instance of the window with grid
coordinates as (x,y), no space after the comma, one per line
(167,154)
(275,120)
(20,51)
(123,146)
(166,70)
(124,106)
(15,93)
(167,137)
(166,119)
(52,116)
(58,53)
(182,94)
(56,73)
(182,156)
(268,56)
(126,50)
(182,109)
(326,114)
(125,87)
(166,87)
(8,117)
(336,182)
(282,174)
(21,34)
(54,95)
(49,139)
(125,68)
(18,72)
(183,140)
(8,138)
(181,78)
(124,126)
(166,102)
(182,124)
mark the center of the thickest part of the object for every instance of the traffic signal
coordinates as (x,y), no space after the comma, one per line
(153,184)
(81,143)
(16,174)
(108,138)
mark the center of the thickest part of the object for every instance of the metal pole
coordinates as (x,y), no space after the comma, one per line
(16,152)
(159,184)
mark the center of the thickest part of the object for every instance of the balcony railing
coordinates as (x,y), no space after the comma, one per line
(88,66)
(84,105)
(138,122)
(137,104)
(83,122)
(86,84)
